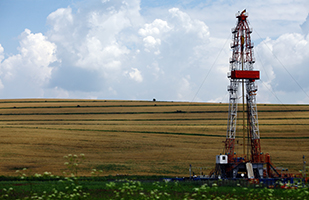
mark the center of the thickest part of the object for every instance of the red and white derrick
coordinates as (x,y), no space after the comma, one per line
(242,71)
(250,163)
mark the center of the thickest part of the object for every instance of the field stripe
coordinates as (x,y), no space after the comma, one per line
(130,113)
(18,122)
(160,119)
(147,132)
(119,131)
(108,106)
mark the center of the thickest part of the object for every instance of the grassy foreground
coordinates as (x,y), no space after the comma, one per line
(94,188)
(138,137)
(29,185)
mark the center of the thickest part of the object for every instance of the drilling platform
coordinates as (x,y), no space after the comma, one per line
(251,162)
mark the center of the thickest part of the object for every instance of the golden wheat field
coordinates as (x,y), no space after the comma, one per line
(138,137)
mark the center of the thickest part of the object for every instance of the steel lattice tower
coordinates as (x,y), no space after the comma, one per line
(249,164)
(241,71)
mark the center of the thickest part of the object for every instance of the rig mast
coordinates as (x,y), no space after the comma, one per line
(248,164)
(241,70)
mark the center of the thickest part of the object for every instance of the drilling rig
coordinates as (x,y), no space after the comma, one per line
(250,163)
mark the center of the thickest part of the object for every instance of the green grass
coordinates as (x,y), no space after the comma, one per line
(138,187)
(28,185)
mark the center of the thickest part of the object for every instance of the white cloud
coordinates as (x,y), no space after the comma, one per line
(157,27)
(135,74)
(188,24)
(283,63)
(95,44)
(61,19)
(150,42)
(152,33)
(107,43)
(30,70)
(38,50)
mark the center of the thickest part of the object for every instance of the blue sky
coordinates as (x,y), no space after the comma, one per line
(168,50)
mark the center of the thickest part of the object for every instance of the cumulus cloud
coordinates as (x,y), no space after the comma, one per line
(188,24)
(156,28)
(118,51)
(30,70)
(283,64)
(152,33)
(92,44)
(135,74)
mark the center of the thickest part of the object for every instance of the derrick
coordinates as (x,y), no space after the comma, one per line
(250,162)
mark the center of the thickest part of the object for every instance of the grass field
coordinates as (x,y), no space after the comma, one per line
(138,137)
(101,188)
